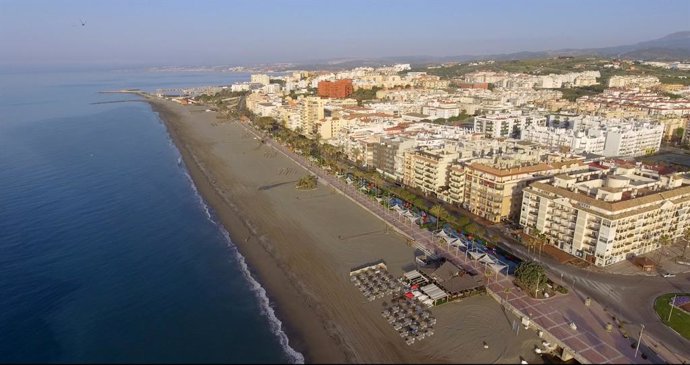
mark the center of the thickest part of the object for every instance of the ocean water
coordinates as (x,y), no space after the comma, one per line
(107,252)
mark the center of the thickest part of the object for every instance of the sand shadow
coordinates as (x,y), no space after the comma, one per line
(268,187)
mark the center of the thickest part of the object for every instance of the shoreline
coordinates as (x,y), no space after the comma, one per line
(301,245)
(226,222)
(208,194)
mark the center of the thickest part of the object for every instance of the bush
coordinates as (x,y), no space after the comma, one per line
(531,276)
(307,182)
(561,289)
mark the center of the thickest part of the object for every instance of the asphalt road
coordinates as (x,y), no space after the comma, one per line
(629,297)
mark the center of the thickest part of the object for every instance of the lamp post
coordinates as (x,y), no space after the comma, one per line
(671,310)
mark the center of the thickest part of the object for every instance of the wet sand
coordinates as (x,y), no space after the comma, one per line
(300,245)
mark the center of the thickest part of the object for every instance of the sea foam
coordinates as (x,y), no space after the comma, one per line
(265,307)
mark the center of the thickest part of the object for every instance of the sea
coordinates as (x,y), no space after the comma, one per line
(107,251)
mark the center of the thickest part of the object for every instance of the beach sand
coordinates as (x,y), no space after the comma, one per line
(301,245)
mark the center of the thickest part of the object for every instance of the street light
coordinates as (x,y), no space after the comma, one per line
(671,310)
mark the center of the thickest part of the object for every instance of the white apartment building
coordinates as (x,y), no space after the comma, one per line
(642,82)
(504,125)
(260,79)
(606,137)
(441,110)
(312,111)
(427,170)
(240,87)
(607,214)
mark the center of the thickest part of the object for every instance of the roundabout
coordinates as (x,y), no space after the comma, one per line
(673,310)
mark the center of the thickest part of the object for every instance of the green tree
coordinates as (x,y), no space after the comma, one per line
(542,239)
(440,213)
(307,182)
(664,241)
(531,276)
(678,134)
(277,81)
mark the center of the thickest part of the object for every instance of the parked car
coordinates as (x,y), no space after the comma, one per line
(667,274)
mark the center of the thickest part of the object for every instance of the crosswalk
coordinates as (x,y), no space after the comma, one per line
(593,287)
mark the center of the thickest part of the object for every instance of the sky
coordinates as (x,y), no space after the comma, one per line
(205,32)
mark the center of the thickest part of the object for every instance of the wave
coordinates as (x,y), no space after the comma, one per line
(276,326)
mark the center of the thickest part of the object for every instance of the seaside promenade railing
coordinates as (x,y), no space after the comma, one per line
(590,345)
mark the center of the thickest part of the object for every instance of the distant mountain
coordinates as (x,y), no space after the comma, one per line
(673,47)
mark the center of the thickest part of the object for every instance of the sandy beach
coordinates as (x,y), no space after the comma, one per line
(300,245)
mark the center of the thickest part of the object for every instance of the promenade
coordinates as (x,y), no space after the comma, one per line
(588,342)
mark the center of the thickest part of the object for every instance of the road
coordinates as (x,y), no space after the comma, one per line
(628,297)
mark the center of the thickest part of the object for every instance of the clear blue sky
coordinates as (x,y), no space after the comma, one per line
(239,32)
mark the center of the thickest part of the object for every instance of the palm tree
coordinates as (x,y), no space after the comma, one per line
(664,241)
(440,213)
(540,238)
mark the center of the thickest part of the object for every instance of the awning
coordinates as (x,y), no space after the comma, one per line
(497,267)
(411,275)
(486,259)
(434,292)
(476,255)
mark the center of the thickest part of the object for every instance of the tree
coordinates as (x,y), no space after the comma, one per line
(307,182)
(678,134)
(530,275)
(440,213)
(542,240)
(664,241)
(686,237)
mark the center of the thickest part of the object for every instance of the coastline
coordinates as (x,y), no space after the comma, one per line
(211,198)
(300,246)
(232,224)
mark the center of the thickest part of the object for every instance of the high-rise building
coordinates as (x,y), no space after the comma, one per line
(260,79)
(335,89)
(494,192)
(312,111)
(608,212)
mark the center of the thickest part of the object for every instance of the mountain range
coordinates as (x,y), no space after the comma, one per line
(673,47)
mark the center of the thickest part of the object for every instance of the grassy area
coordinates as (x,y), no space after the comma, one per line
(544,66)
(540,66)
(680,321)
(573,93)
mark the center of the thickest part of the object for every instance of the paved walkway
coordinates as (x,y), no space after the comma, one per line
(589,343)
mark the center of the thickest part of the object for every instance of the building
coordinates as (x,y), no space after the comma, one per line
(441,110)
(427,170)
(609,211)
(629,81)
(493,190)
(503,125)
(388,156)
(260,79)
(596,135)
(335,89)
(311,113)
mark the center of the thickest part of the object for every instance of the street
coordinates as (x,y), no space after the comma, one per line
(628,297)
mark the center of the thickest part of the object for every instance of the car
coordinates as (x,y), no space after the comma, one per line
(668,275)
